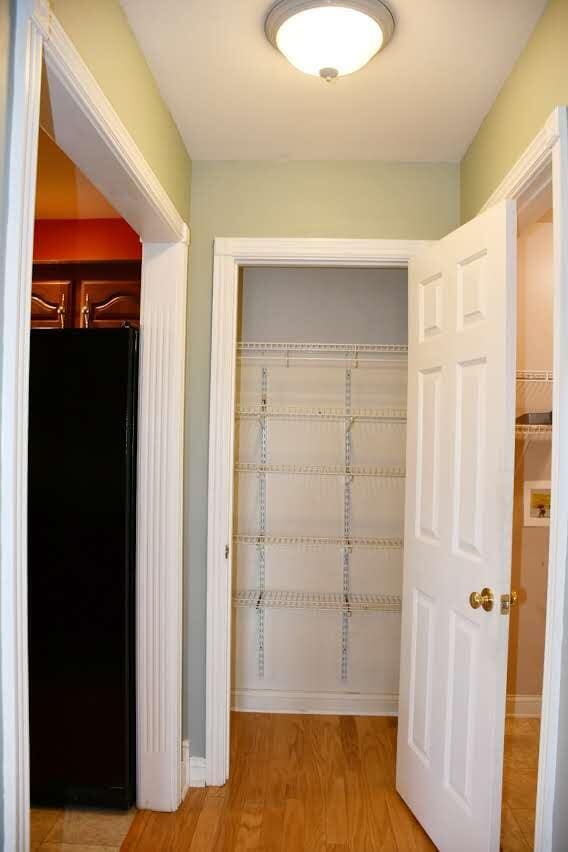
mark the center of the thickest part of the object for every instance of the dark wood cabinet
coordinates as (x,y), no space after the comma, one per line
(86,295)
(107,304)
(52,304)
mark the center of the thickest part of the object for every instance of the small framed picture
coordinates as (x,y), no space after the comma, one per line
(537,503)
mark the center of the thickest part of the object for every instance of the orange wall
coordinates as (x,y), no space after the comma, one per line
(85,239)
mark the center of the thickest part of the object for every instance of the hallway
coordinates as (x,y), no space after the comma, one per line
(323,783)
(297,783)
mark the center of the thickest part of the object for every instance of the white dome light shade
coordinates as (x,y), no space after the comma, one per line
(329,38)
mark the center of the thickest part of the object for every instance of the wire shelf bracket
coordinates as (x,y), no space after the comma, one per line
(262,516)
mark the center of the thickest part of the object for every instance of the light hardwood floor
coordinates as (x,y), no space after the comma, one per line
(78,829)
(519,784)
(297,783)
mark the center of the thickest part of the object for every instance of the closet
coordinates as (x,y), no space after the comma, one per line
(319,489)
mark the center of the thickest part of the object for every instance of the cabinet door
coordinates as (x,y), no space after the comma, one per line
(51,304)
(107,304)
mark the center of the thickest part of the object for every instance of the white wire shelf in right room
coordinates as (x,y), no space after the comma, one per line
(534,390)
(533,432)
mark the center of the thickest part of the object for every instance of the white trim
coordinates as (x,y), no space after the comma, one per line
(536,200)
(350,704)
(318,703)
(160,524)
(555,676)
(193,770)
(527,168)
(66,68)
(126,178)
(14,431)
(524,706)
(197,772)
(311,251)
(230,254)
(184,768)
(550,146)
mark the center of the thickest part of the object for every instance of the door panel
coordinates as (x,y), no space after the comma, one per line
(51,304)
(108,304)
(460,451)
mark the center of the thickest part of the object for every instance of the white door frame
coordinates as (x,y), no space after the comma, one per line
(88,129)
(549,150)
(230,255)
(545,160)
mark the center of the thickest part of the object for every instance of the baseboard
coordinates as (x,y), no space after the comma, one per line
(335,703)
(193,769)
(184,768)
(349,703)
(524,706)
(197,771)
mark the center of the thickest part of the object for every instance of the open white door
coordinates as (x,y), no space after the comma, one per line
(460,459)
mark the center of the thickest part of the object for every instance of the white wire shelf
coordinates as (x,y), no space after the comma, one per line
(348,354)
(534,376)
(321,541)
(337,348)
(322,470)
(321,601)
(368,415)
(533,432)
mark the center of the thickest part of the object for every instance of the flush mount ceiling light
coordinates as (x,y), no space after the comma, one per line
(329,38)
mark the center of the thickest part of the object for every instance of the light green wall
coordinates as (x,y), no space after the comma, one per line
(537,84)
(270,199)
(101,34)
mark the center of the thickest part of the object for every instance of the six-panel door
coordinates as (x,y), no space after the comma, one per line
(460,449)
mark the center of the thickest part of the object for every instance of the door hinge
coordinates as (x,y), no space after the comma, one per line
(226,551)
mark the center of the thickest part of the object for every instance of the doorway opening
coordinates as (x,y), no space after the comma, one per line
(533,498)
(319,489)
(318,520)
(82,438)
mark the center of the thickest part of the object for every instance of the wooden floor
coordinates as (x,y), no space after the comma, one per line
(297,783)
(321,783)
(519,784)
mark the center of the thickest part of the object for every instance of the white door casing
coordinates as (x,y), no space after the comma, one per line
(458,529)
(230,255)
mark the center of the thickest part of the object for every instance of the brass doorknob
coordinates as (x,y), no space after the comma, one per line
(485,598)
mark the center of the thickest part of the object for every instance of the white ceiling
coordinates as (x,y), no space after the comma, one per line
(234,97)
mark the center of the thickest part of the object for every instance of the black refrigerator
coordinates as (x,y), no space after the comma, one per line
(81,565)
